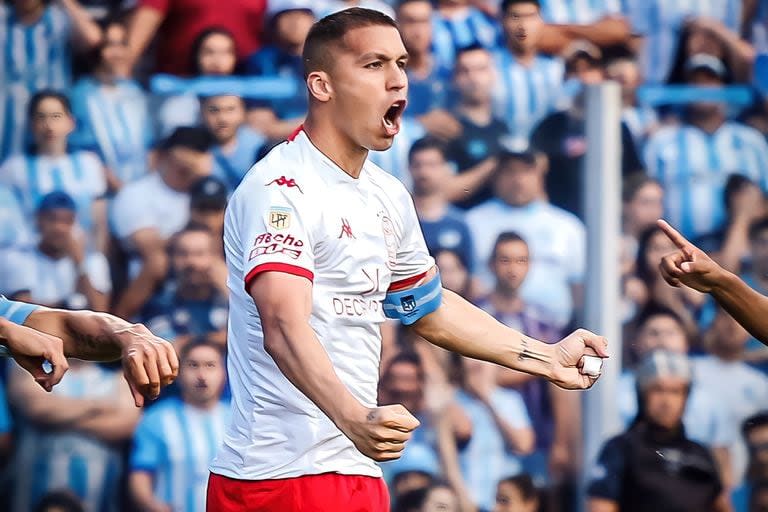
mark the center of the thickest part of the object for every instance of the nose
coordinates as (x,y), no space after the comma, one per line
(397,79)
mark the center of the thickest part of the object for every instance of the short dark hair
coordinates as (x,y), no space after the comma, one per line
(208,194)
(190,228)
(475,47)
(524,484)
(62,499)
(200,341)
(506,4)
(757,227)
(755,421)
(633,183)
(331,30)
(40,96)
(654,309)
(507,236)
(406,357)
(190,137)
(425,144)
(401,3)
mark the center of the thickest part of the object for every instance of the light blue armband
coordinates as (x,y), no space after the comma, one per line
(410,305)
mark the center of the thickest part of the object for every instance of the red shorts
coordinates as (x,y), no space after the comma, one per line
(328,492)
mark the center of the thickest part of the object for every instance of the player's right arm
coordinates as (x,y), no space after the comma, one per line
(690,266)
(284,302)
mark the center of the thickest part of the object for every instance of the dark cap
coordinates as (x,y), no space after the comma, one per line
(209,193)
(56,200)
(190,137)
(506,4)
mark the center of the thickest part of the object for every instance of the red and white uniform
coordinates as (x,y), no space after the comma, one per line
(297,212)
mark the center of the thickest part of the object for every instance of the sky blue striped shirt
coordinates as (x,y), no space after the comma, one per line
(693,167)
(113,121)
(176,443)
(48,459)
(232,166)
(580,12)
(468,28)
(523,96)
(34,57)
(660,22)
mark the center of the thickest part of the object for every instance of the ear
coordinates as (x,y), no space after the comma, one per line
(319,85)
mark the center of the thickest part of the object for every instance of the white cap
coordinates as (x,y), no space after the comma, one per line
(275,7)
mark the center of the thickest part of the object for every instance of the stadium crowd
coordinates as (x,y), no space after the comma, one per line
(112,198)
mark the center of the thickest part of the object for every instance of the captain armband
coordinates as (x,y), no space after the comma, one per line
(410,305)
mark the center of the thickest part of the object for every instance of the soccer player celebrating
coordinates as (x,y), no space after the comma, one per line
(321,246)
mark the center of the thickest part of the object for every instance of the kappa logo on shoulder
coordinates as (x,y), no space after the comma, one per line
(282,181)
(346,229)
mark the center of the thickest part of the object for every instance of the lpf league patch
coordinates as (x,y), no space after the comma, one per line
(279,217)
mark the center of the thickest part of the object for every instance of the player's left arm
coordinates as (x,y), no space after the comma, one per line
(459,326)
(149,362)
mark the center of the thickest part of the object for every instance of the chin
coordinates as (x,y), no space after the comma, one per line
(381,144)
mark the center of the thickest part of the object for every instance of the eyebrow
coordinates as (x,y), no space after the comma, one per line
(381,56)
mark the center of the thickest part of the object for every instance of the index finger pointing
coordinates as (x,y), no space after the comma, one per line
(679,240)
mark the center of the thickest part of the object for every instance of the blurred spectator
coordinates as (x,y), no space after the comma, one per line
(654,465)
(148,211)
(14,230)
(554,413)
(528,84)
(35,42)
(705,419)
(442,225)
(179,23)
(49,166)
(642,121)
(454,273)
(758,499)
(482,133)
(437,497)
(744,204)
(112,113)
(237,144)
(501,430)
(192,303)
(60,501)
(693,160)
(288,22)
(428,78)
(599,22)
(214,54)
(6,425)
(562,137)
(739,389)
(756,116)
(59,272)
(649,285)
(556,238)
(69,438)
(659,22)
(207,204)
(332,6)
(516,494)
(584,63)
(404,382)
(754,430)
(709,36)
(457,24)
(178,438)
(642,204)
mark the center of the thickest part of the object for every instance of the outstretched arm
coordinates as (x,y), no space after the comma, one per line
(690,266)
(460,327)
(149,362)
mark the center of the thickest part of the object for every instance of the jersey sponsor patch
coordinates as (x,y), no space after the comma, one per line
(268,243)
(280,217)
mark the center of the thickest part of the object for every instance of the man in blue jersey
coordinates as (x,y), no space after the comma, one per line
(178,438)
(33,335)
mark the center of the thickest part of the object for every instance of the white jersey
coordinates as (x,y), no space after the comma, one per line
(298,212)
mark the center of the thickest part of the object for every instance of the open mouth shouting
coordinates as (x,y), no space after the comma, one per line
(393,116)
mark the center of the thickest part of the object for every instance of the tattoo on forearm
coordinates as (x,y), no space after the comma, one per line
(527,352)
